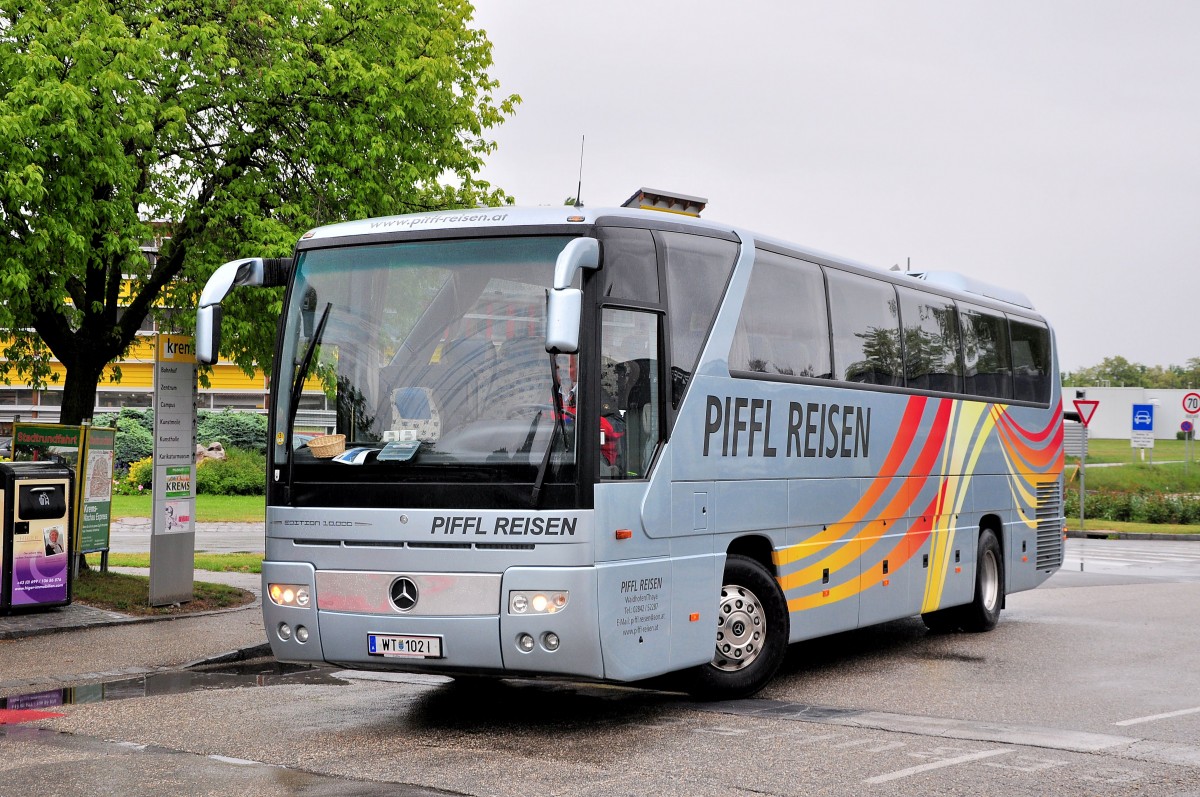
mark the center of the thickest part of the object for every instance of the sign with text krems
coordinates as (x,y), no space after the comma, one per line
(172,531)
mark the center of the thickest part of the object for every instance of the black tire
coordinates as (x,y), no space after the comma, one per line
(752,634)
(982,613)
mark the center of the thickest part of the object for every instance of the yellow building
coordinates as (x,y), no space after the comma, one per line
(229,388)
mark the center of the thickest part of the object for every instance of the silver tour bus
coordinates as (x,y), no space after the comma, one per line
(618,443)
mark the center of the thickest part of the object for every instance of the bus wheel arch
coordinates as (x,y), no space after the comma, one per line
(751,634)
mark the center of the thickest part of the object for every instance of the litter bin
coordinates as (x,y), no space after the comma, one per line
(35,503)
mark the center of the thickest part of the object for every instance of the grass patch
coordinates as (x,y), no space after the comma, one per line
(1171,479)
(209,508)
(118,592)
(212,562)
(1109,450)
(1100,526)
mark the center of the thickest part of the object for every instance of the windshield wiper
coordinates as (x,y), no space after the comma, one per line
(302,373)
(559,427)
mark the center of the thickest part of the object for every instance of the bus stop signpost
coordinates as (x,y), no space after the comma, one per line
(172,532)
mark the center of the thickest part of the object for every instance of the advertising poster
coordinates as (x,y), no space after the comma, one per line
(40,565)
(96,490)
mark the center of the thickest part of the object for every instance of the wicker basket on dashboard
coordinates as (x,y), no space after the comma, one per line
(326,446)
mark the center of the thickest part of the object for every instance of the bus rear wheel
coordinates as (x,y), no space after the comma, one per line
(983,612)
(752,633)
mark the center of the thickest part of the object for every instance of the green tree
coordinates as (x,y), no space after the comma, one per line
(221,128)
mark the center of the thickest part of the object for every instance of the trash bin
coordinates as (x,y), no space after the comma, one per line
(35,503)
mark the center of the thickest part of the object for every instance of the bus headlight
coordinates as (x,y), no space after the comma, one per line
(537,602)
(289,594)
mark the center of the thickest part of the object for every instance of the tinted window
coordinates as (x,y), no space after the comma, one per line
(630,265)
(931,342)
(986,363)
(866,330)
(784,327)
(698,270)
(1031,361)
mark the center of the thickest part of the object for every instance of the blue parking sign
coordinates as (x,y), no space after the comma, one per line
(1143,417)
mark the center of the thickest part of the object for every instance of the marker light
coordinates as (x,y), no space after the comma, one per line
(289,594)
(537,602)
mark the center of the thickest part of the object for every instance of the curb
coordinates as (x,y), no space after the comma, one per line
(1101,534)
(229,657)
(119,619)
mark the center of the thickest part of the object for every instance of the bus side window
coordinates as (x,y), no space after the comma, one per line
(783,329)
(629,393)
(698,269)
(866,330)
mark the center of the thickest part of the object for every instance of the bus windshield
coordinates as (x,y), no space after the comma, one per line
(433,353)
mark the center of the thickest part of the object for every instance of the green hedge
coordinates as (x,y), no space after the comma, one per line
(135,431)
(240,473)
(1135,507)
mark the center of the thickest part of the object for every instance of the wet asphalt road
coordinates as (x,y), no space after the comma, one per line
(1090,686)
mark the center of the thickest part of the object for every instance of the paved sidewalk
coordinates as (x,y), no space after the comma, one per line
(77,616)
(132,535)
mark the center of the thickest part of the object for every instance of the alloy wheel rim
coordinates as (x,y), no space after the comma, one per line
(741,629)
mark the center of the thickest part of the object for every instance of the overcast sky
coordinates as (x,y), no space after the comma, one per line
(1052,147)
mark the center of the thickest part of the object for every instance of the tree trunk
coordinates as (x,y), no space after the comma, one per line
(79,390)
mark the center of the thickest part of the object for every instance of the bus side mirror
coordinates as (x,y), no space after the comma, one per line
(208,333)
(563,308)
(564,305)
(256,271)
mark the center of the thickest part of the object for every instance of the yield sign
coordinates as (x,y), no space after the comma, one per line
(1086,409)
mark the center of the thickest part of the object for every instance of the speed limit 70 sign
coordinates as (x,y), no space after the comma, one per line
(1191,403)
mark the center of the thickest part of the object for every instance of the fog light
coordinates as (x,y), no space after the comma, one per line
(525,643)
(301,634)
(285,631)
(550,641)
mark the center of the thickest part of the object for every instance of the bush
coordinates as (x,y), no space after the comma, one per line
(244,430)
(1153,508)
(139,478)
(240,473)
(133,442)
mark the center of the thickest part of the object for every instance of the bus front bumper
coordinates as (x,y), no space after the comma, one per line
(366,630)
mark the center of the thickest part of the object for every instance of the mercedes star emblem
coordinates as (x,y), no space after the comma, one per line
(404,594)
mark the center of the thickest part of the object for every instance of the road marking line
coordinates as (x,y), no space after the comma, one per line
(949,762)
(1154,717)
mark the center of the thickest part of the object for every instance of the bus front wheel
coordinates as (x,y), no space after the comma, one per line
(752,633)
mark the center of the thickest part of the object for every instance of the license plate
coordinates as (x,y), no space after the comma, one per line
(408,647)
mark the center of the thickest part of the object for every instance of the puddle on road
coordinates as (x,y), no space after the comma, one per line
(232,676)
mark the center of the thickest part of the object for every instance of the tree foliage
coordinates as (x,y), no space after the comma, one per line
(1119,372)
(223,129)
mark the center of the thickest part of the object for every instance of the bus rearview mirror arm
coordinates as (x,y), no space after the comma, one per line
(564,304)
(254,271)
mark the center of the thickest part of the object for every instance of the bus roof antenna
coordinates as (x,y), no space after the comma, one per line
(579,187)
